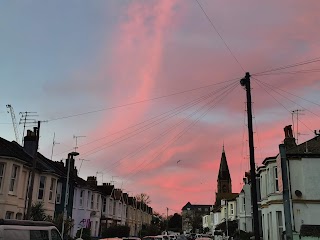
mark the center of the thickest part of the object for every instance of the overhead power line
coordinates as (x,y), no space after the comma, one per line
(292,72)
(139,130)
(174,126)
(225,43)
(288,110)
(137,102)
(272,86)
(163,116)
(276,91)
(314,60)
(180,134)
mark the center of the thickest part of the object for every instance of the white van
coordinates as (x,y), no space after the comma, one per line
(28,230)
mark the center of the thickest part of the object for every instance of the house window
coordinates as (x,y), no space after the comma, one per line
(59,191)
(42,184)
(1,174)
(13,179)
(89,197)
(92,200)
(81,198)
(9,215)
(52,188)
(104,204)
(110,207)
(19,216)
(98,201)
(269,226)
(279,224)
(276,180)
(268,181)
(231,209)
(244,203)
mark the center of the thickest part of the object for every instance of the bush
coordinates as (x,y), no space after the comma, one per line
(149,230)
(116,231)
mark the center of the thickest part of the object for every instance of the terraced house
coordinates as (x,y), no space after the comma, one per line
(88,205)
(15,171)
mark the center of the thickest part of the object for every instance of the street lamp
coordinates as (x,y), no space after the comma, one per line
(66,196)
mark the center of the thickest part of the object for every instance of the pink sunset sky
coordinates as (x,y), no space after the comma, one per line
(102,57)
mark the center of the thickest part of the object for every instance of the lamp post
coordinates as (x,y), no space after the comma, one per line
(66,196)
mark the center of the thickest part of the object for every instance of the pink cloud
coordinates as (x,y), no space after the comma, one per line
(150,60)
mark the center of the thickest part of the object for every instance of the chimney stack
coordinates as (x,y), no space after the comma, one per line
(30,142)
(289,140)
(92,181)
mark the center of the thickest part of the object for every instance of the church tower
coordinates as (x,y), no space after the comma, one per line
(224,186)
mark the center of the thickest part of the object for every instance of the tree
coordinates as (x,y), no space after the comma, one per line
(175,223)
(37,212)
(149,230)
(196,223)
(144,198)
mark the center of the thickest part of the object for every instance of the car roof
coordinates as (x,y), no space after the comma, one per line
(24,222)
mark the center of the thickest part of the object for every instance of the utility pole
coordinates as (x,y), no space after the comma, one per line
(30,190)
(286,192)
(246,83)
(167,222)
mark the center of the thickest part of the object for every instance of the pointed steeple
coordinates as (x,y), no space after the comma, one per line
(224,173)
(224,179)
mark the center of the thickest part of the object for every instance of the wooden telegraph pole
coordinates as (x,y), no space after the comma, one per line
(245,82)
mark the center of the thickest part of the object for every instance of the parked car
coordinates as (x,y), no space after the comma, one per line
(22,229)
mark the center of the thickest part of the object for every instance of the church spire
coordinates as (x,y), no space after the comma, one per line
(224,179)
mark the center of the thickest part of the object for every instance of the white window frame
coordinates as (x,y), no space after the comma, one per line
(52,189)
(42,189)
(9,215)
(92,201)
(2,172)
(59,192)
(81,197)
(104,204)
(111,206)
(14,178)
(279,223)
(276,179)
(89,199)
(231,208)
(98,201)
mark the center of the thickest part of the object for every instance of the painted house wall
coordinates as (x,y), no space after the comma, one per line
(304,176)
(271,201)
(15,201)
(244,209)
(86,214)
